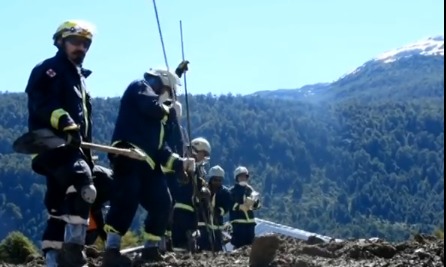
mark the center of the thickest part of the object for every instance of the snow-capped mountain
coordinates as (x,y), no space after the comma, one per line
(407,67)
(433,46)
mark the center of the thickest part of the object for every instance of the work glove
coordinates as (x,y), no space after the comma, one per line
(189,165)
(227,227)
(244,208)
(182,68)
(73,135)
(249,202)
(205,193)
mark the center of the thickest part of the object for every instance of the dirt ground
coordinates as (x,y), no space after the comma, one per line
(423,251)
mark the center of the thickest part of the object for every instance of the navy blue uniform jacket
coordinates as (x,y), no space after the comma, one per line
(58,98)
(239,194)
(141,123)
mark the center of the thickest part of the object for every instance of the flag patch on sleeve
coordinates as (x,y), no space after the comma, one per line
(51,73)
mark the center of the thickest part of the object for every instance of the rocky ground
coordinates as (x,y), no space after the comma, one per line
(423,251)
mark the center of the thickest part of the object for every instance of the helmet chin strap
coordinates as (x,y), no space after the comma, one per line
(203,161)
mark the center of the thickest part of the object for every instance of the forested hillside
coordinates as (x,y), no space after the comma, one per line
(343,168)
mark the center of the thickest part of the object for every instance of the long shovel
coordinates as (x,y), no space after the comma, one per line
(42,140)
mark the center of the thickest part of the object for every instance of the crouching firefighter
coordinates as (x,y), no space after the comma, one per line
(187,196)
(58,101)
(176,142)
(245,200)
(53,236)
(220,204)
(141,125)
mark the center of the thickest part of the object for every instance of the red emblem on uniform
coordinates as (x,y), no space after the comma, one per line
(51,73)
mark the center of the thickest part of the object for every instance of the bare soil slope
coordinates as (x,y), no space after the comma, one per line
(423,251)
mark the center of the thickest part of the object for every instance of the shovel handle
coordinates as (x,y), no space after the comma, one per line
(131,153)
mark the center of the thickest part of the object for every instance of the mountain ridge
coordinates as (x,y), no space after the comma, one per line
(431,47)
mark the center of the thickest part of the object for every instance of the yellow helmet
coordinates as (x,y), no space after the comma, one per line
(74,28)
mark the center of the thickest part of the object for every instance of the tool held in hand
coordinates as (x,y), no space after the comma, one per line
(252,200)
(206,215)
(42,140)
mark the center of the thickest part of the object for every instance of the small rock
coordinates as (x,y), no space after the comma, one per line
(421,253)
(92,252)
(419,250)
(419,238)
(382,250)
(355,252)
(314,240)
(264,250)
(332,247)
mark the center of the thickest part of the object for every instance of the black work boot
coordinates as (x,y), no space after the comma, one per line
(113,258)
(169,245)
(71,255)
(163,245)
(191,242)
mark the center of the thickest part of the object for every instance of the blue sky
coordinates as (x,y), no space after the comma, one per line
(238,46)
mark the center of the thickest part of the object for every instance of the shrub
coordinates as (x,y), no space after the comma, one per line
(16,248)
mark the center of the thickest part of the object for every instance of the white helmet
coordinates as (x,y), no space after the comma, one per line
(201,144)
(240,170)
(216,171)
(168,78)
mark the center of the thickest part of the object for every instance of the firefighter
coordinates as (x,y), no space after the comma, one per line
(53,237)
(245,201)
(58,100)
(187,197)
(220,204)
(141,125)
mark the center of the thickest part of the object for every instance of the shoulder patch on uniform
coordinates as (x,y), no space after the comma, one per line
(51,73)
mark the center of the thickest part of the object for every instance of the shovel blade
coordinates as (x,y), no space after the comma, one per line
(36,142)
(263,250)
